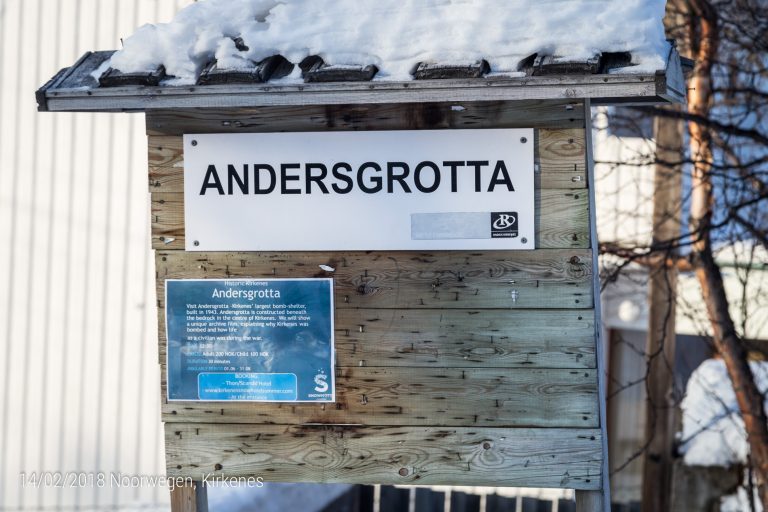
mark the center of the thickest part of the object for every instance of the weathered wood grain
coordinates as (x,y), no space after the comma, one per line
(604,89)
(461,339)
(568,458)
(561,157)
(542,279)
(474,338)
(562,220)
(402,116)
(189,498)
(497,397)
(589,501)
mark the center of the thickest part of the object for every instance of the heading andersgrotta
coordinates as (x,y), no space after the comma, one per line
(342,178)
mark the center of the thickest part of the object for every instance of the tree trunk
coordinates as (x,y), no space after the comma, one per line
(704,38)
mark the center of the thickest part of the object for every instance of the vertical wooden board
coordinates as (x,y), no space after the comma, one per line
(562,219)
(562,155)
(425,396)
(590,501)
(546,279)
(189,498)
(167,221)
(166,163)
(568,458)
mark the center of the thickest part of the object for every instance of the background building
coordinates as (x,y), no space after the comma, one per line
(624,174)
(78,351)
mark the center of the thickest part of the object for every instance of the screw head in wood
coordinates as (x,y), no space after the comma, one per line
(403,472)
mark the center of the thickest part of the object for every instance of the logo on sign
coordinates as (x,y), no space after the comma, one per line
(504,225)
(321,384)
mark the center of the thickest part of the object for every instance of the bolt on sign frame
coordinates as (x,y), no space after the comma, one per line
(452,367)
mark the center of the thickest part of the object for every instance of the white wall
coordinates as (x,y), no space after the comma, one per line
(624,192)
(78,367)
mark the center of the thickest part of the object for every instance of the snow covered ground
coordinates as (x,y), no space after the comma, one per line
(395,35)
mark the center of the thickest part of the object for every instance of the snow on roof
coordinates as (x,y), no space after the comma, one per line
(713,430)
(394,35)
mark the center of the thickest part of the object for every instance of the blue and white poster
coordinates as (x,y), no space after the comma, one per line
(255,340)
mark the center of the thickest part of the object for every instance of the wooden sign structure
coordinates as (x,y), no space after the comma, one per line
(452,367)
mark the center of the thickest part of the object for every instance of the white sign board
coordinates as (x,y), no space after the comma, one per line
(395,190)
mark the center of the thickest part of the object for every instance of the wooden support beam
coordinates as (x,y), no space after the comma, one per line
(589,501)
(189,498)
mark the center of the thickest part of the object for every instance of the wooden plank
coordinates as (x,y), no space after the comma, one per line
(437,71)
(561,157)
(115,78)
(463,339)
(568,113)
(562,219)
(607,88)
(473,338)
(167,220)
(82,75)
(556,65)
(567,458)
(275,66)
(496,397)
(542,279)
(320,73)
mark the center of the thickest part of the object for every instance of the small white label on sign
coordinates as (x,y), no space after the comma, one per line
(396,190)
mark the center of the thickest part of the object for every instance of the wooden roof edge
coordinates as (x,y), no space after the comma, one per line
(59,94)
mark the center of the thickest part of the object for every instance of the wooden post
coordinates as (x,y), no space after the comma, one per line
(661,416)
(190,498)
(589,501)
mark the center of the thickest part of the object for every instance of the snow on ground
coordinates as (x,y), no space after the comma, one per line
(739,502)
(713,431)
(396,34)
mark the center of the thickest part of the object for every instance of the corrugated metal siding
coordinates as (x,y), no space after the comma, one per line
(77,318)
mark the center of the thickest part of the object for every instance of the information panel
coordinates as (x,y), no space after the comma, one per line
(259,340)
(394,190)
